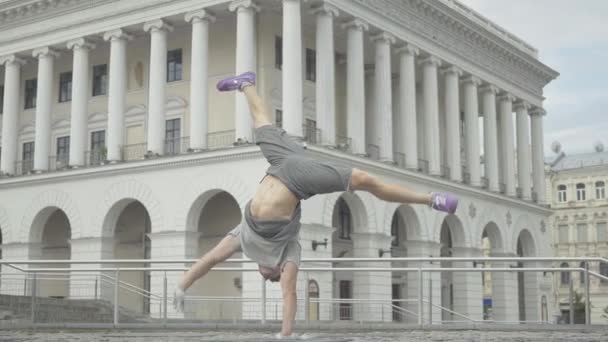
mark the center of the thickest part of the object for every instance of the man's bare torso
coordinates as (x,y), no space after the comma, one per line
(273,200)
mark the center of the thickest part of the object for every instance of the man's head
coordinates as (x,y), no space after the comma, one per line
(270,273)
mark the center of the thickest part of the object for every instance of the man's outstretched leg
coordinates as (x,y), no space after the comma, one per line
(246,83)
(222,251)
(361,180)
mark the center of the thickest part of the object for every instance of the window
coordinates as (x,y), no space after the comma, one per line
(174,65)
(582,273)
(604,272)
(344,219)
(396,225)
(100,79)
(63,149)
(581,232)
(28,157)
(602,235)
(98,147)
(173,136)
(580,192)
(600,190)
(564,275)
(1,98)
(65,86)
(30,93)
(311,65)
(278,52)
(278,118)
(310,131)
(561,193)
(313,300)
(563,233)
(345,293)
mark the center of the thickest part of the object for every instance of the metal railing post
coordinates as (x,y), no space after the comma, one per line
(571,298)
(430,299)
(587,295)
(116,274)
(96,284)
(33,301)
(420,285)
(263,301)
(165,299)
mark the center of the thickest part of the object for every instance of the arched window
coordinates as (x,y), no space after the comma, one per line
(582,273)
(564,275)
(580,192)
(604,271)
(600,190)
(396,224)
(344,219)
(561,193)
(313,300)
(544,310)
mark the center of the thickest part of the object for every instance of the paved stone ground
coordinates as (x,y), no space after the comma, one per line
(406,336)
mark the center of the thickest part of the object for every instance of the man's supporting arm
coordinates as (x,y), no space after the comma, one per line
(289,277)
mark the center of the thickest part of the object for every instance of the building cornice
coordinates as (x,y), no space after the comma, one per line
(437,23)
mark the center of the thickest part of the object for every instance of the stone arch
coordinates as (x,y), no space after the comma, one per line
(528,243)
(41,208)
(410,217)
(116,199)
(460,238)
(201,188)
(494,235)
(524,223)
(362,216)
(194,214)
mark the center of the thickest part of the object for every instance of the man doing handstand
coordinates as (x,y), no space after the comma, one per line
(269,232)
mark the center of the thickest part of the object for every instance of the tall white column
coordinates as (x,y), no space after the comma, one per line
(538,164)
(408,140)
(489,136)
(430,100)
(10,112)
(452,112)
(523,148)
(199,74)
(471,120)
(326,73)
(292,67)
(117,92)
(80,100)
(384,102)
(245,61)
(44,100)
(355,85)
(505,111)
(156,89)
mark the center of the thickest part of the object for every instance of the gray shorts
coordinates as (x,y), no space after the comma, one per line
(303,175)
(292,253)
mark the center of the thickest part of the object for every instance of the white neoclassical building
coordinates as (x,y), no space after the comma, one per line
(577,189)
(115,143)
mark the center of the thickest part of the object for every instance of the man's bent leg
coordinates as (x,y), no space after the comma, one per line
(361,180)
(257,106)
(289,277)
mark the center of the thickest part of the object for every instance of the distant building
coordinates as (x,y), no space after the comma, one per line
(577,192)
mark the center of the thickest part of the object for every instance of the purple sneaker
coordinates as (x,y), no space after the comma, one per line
(444,202)
(235,82)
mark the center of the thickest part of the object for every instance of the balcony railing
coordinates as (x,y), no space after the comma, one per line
(502,187)
(373,151)
(485,182)
(176,146)
(399,159)
(445,171)
(519,192)
(312,135)
(96,157)
(534,196)
(221,139)
(24,167)
(134,151)
(423,166)
(60,162)
(344,143)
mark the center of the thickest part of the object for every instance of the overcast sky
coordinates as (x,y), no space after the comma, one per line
(572,38)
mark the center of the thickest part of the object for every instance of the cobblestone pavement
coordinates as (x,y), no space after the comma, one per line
(407,336)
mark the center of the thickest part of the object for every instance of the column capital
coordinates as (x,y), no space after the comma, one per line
(489,88)
(45,52)
(325,9)
(157,25)
(537,111)
(521,105)
(506,96)
(408,49)
(430,59)
(237,5)
(10,59)
(476,81)
(80,43)
(118,34)
(451,69)
(384,37)
(356,24)
(199,15)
